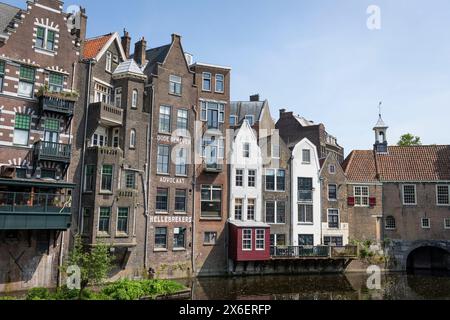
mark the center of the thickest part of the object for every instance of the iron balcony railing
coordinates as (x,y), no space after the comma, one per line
(34,211)
(314,252)
(57,104)
(50,151)
(213,166)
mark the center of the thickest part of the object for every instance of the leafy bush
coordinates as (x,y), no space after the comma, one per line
(39,294)
(7,298)
(134,290)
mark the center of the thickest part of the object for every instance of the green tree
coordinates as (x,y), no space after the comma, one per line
(94,263)
(408,139)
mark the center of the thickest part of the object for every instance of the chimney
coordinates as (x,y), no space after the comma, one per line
(53,4)
(126,43)
(282,112)
(140,52)
(254,98)
(175,37)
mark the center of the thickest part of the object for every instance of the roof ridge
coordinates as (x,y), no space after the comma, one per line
(155,48)
(98,37)
(10,5)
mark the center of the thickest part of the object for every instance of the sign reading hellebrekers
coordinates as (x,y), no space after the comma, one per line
(170,219)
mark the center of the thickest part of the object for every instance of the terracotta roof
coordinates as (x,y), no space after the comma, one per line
(415,163)
(93,46)
(360,166)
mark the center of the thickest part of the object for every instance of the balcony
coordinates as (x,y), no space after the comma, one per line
(50,151)
(212,167)
(57,103)
(106,114)
(311,252)
(32,211)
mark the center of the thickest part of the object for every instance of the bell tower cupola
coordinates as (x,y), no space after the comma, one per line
(380,129)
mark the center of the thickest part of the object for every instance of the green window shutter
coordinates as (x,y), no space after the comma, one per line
(52,125)
(22,122)
(40,32)
(2,67)
(56,79)
(27,73)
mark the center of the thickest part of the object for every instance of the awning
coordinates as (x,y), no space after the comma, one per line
(36,183)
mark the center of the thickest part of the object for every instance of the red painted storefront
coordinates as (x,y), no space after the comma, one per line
(240,251)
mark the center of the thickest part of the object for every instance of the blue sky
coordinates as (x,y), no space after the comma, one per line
(314,57)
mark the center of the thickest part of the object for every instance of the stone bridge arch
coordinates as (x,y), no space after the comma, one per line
(402,251)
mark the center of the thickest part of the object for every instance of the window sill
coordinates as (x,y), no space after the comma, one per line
(103,235)
(204,90)
(175,94)
(276,224)
(161,213)
(210,244)
(182,175)
(165,133)
(44,51)
(160,250)
(210,218)
(180,213)
(122,236)
(179,249)
(219,92)
(305,224)
(163,174)
(106,193)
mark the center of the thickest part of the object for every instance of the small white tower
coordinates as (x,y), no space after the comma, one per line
(381,144)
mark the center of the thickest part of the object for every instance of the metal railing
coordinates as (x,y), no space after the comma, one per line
(57,104)
(34,203)
(314,252)
(53,151)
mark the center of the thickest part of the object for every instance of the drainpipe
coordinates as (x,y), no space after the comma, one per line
(292,181)
(149,169)
(194,184)
(83,152)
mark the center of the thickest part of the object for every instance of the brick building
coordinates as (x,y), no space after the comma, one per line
(112,149)
(211,168)
(171,95)
(401,195)
(335,226)
(294,128)
(40,46)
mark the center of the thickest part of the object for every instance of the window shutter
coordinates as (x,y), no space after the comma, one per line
(351,201)
(372,201)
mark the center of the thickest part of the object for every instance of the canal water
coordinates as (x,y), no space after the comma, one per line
(353,286)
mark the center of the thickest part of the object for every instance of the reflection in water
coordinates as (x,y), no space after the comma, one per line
(323,287)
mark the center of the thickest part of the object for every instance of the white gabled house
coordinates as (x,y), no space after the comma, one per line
(306,205)
(249,235)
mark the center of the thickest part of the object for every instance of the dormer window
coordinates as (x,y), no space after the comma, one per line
(45,39)
(233,120)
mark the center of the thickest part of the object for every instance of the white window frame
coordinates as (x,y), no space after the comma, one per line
(254,209)
(177,80)
(133,139)
(275,214)
(109,60)
(332,171)
(275,189)
(210,81)
(362,196)
(272,151)
(338,215)
(46,30)
(223,83)
(263,239)
(134,99)
(236,175)
(244,150)
(415,195)
(386,225)
(422,220)
(437,195)
(303,156)
(447,223)
(247,239)
(328,189)
(254,175)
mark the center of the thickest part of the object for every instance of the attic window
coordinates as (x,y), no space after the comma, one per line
(108,61)
(332,169)
(233,120)
(45,39)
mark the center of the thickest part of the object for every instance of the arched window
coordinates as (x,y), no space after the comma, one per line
(390,223)
(132,139)
(134,101)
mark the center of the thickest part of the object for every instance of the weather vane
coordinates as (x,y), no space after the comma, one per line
(379,108)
